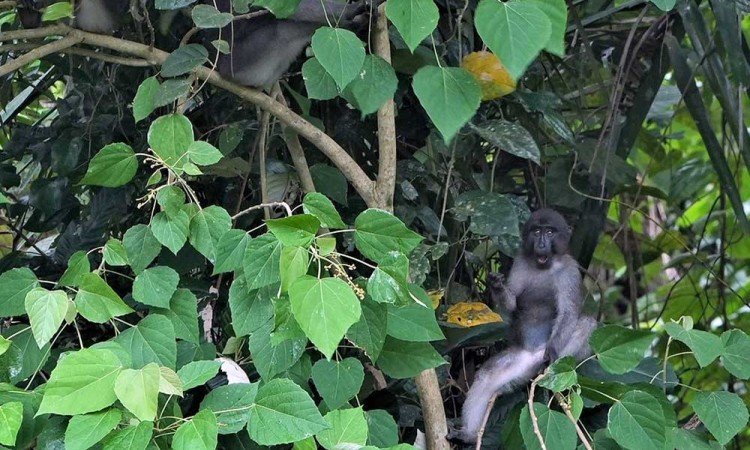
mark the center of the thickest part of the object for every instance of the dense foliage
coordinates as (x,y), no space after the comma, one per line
(179,270)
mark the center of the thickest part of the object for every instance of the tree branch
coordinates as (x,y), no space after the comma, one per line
(38,53)
(385,184)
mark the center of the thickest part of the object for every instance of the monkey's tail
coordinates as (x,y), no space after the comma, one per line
(501,374)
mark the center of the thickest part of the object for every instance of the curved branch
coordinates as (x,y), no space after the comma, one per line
(38,53)
(364,186)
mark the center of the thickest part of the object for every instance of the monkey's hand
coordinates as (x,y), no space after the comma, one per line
(495,281)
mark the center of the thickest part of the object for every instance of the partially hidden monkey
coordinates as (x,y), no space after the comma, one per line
(544,296)
(96,16)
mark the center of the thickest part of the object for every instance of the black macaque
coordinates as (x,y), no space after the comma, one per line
(263,47)
(544,296)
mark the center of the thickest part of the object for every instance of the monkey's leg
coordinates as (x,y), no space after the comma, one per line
(500,374)
(577,345)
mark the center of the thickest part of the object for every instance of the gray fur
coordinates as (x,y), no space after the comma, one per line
(545,301)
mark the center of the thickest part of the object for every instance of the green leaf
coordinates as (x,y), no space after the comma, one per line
(141,246)
(491,214)
(134,437)
(82,382)
(183,313)
(24,358)
(375,85)
(325,309)
(736,354)
(338,382)
(319,206)
(340,53)
(261,262)
(115,253)
(281,401)
(250,309)
(723,413)
(230,251)
(85,431)
(113,166)
(236,400)
(184,60)
(78,266)
(155,286)
(450,95)
(138,391)
(207,16)
(280,8)
(169,92)
(509,137)
(4,345)
(368,333)
(330,182)
(199,433)
(152,340)
(557,13)
(207,227)
(705,346)
(171,199)
(97,302)
(515,31)
(296,230)
(203,154)
(169,137)
(46,310)
(665,5)
(196,373)
(318,83)
(382,429)
(637,421)
(620,349)
(387,283)
(377,233)
(414,19)
(413,323)
(11,416)
(171,231)
(293,265)
(143,104)
(556,430)
(169,382)
(270,357)
(401,359)
(561,375)
(347,427)
(16,283)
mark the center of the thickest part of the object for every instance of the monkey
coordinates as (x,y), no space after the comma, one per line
(543,294)
(96,16)
(264,47)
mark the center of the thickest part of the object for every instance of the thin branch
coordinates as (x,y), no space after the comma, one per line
(532,413)
(566,409)
(295,150)
(264,205)
(486,417)
(38,53)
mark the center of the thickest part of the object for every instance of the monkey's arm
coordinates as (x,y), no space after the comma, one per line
(504,293)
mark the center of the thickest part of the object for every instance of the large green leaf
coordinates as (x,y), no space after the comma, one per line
(183,313)
(231,404)
(450,95)
(338,381)
(318,83)
(133,437)
(561,375)
(24,357)
(414,19)
(516,31)
(78,266)
(620,349)
(557,12)
(401,359)
(169,137)
(270,357)
(46,310)
(250,309)
(376,85)
(281,401)
(379,233)
(82,382)
(86,430)
(261,262)
(325,309)
(637,421)
(115,253)
(382,428)
(113,166)
(340,53)
(509,137)
(230,251)
(198,433)
(206,229)
(184,59)
(11,417)
(368,332)
(736,353)
(98,302)
(207,16)
(388,282)
(723,413)
(556,430)
(298,230)
(141,246)
(143,103)
(14,285)
(196,373)
(293,265)
(138,391)
(155,286)
(705,346)
(171,231)
(347,427)
(414,323)
(319,206)
(152,340)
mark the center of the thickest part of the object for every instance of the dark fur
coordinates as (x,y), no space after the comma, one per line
(543,295)
(97,16)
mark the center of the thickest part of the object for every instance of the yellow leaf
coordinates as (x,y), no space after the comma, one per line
(492,76)
(471,314)
(435,296)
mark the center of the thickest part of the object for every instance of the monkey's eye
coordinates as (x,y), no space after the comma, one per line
(548,232)
(537,232)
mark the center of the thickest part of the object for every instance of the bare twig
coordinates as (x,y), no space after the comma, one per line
(532,413)
(486,417)
(264,205)
(566,409)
